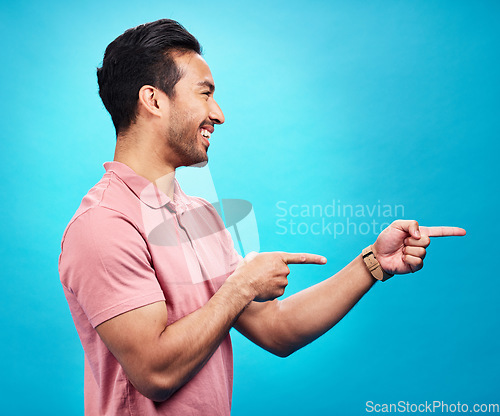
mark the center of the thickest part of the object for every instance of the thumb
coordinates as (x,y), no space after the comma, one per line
(246,259)
(409,226)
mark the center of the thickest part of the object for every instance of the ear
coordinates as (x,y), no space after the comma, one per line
(152,100)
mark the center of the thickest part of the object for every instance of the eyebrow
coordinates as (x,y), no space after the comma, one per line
(207,84)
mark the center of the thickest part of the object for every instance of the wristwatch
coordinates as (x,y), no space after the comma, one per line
(374,266)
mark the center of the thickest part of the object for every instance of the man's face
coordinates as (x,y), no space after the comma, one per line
(193,111)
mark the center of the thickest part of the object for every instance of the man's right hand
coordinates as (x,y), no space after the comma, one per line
(265,274)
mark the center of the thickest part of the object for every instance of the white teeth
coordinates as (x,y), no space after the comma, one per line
(205,133)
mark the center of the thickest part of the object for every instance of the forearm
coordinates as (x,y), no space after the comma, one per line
(306,315)
(283,327)
(185,346)
(189,342)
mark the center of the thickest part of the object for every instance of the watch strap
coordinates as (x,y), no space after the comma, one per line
(373,265)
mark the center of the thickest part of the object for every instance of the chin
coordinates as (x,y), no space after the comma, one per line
(197,162)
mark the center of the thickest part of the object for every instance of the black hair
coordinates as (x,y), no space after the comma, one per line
(141,56)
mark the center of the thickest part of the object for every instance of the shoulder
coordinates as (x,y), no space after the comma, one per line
(98,219)
(107,203)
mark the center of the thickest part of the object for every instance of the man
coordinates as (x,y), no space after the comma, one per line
(151,275)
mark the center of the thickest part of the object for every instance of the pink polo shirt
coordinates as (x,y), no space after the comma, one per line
(130,245)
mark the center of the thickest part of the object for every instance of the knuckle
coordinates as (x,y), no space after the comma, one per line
(276,265)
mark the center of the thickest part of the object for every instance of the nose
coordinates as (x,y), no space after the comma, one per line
(216,114)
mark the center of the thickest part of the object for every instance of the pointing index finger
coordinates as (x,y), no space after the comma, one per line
(303,258)
(443,231)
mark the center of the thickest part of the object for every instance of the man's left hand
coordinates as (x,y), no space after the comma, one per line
(401,247)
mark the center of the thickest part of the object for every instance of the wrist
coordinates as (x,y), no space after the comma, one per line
(240,287)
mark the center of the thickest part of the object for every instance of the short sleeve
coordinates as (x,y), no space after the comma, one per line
(106,265)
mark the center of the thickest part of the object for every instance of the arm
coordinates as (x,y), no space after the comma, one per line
(283,327)
(158,359)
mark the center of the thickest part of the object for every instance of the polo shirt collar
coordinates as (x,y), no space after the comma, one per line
(146,190)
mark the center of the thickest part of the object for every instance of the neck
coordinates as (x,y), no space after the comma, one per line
(139,154)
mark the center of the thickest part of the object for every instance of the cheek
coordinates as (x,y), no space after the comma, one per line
(190,114)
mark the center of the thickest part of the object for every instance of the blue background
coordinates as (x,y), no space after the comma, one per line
(356,101)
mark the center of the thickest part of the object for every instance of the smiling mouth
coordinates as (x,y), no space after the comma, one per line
(205,133)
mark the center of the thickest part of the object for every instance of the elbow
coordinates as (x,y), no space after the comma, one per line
(283,354)
(282,350)
(285,348)
(159,394)
(157,388)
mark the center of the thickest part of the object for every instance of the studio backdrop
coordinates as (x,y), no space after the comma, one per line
(341,117)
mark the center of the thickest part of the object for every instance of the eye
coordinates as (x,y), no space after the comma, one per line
(206,94)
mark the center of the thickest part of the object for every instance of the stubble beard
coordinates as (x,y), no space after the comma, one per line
(184,142)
